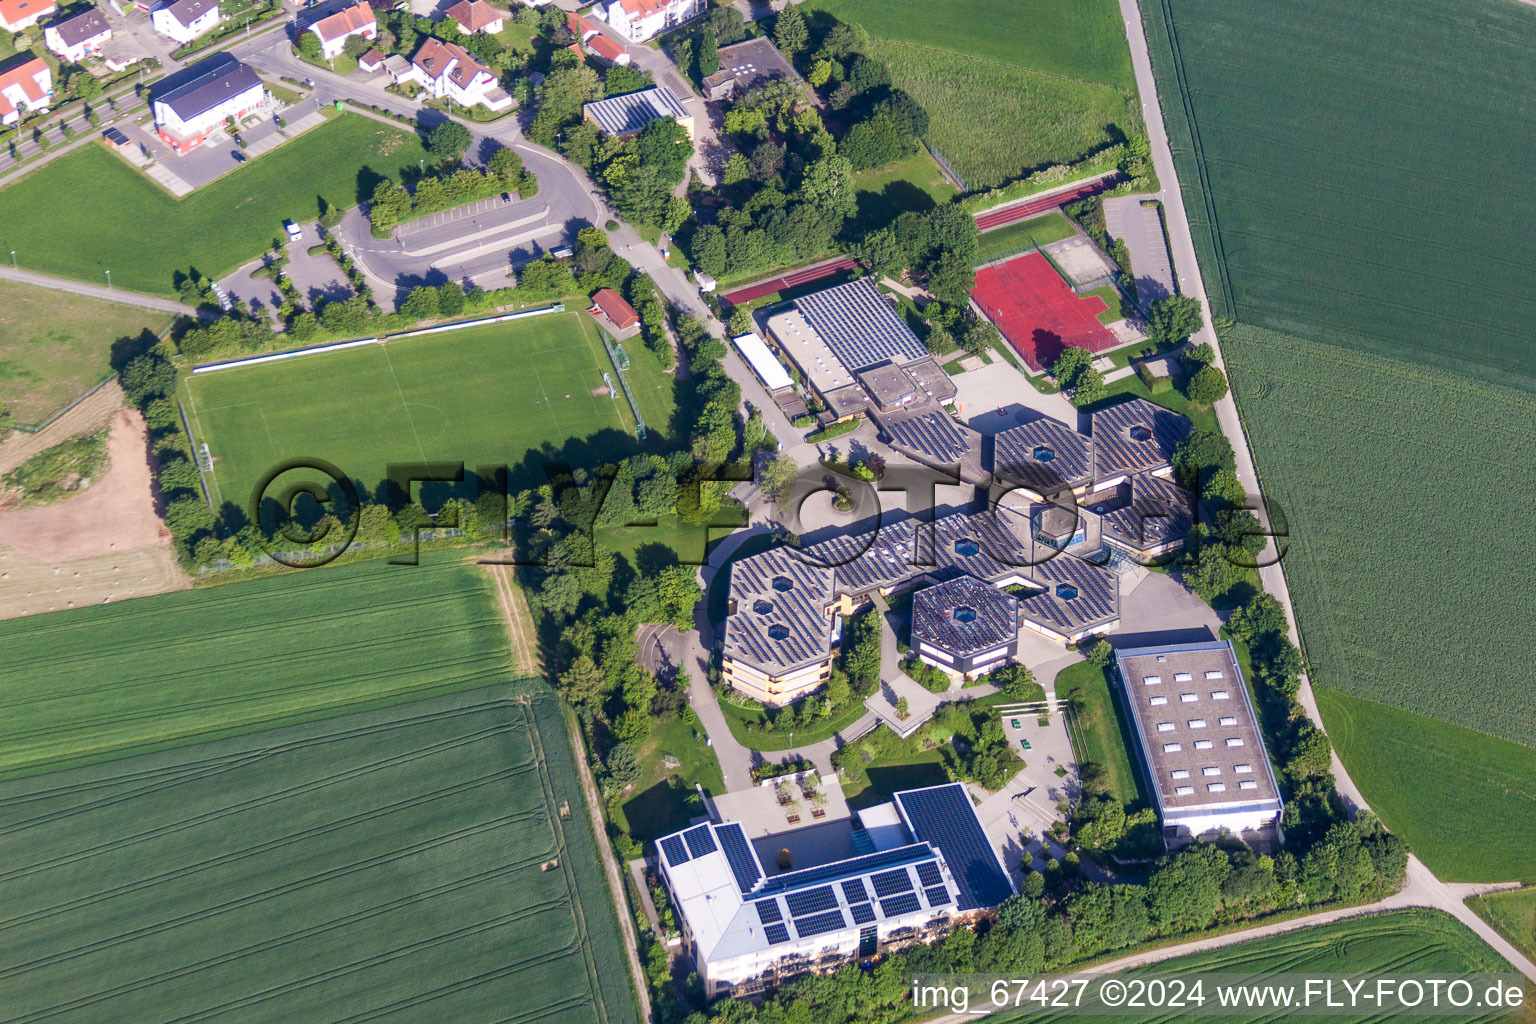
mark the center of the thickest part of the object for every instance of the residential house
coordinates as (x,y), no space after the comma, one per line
(606,50)
(78,36)
(185,20)
(16,15)
(193,103)
(371,61)
(639,20)
(448,71)
(477,16)
(334,31)
(25,87)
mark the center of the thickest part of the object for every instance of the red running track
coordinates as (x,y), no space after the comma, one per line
(1010,214)
(758,289)
(1038,312)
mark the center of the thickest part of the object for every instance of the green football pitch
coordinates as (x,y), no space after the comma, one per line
(482,396)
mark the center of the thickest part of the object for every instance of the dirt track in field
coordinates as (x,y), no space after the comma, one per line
(90,415)
(103,544)
(514,610)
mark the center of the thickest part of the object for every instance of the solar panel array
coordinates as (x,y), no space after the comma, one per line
(995,618)
(1044,454)
(1097,594)
(795,604)
(776,933)
(945,817)
(675,851)
(700,841)
(862,913)
(938,896)
(932,434)
(859,325)
(810,901)
(855,891)
(902,904)
(816,924)
(839,870)
(892,882)
(929,875)
(738,854)
(1160,510)
(1132,436)
(768,911)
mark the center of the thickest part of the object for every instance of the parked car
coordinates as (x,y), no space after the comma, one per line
(294,231)
(239,156)
(1014,722)
(506,197)
(1026,743)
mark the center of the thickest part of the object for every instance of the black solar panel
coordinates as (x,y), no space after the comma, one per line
(854,891)
(862,913)
(738,853)
(938,896)
(859,326)
(928,874)
(810,901)
(934,434)
(844,868)
(945,817)
(700,841)
(892,882)
(903,904)
(676,853)
(776,933)
(818,923)
(768,911)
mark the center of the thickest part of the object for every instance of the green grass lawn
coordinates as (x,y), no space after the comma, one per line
(1513,914)
(664,799)
(995,122)
(1417,942)
(116,219)
(1099,733)
(1366,455)
(746,725)
(891,775)
(104,682)
(55,346)
(1024,234)
(915,183)
(406,861)
(505,393)
(1115,306)
(1083,40)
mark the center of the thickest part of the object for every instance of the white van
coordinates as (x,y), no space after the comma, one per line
(294,231)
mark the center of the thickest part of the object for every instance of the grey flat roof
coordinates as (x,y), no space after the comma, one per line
(205,84)
(754,62)
(859,325)
(632,111)
(1189,679)
(938,616)
(931,379)
(888,384)
(1044,455)
(1133,436)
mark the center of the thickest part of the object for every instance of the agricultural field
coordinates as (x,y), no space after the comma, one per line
(1425,943)
(1397,481)
(108,681)
(1023,235)
(501,394)
(54,346)
(1083,40)
(119,220)
(996,122)
(1345,188)
(430,861)
(1513,914)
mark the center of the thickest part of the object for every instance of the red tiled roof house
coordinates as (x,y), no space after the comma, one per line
(25,87)
(334,31)
(612,306)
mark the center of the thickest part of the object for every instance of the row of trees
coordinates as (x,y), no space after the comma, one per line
(392,204)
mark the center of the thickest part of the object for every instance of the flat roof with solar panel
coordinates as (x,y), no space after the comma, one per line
(738,920)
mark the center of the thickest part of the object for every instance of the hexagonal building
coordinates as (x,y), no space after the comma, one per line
(965,626)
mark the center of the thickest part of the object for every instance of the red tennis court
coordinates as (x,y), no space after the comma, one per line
(1038,312)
